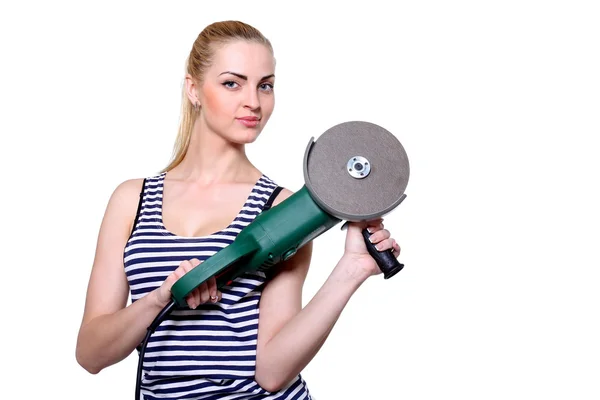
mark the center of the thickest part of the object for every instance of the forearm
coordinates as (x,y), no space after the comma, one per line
(295,345)
(108,339)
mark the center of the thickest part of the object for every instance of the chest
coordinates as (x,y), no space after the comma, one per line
(192,211)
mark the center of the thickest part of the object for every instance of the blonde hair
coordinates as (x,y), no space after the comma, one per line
(199,60)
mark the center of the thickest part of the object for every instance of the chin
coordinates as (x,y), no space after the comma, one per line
(245,136)
(251,138)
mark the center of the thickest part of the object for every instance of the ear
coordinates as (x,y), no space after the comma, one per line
(191,90)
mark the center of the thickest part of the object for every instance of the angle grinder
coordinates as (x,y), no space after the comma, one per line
(355,171)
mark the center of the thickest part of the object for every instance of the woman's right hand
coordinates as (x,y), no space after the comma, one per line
(207,291)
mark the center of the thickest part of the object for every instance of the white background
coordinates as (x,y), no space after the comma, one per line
(496,103)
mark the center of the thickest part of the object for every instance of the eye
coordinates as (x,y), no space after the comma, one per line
(266,86)
(230,84)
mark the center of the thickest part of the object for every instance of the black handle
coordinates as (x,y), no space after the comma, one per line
(388,263)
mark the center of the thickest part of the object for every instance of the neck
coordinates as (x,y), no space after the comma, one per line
(211,158)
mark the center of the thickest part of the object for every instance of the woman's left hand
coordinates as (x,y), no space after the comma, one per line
(359,259)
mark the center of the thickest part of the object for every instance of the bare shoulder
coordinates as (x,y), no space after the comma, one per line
(128,189)
(124,201)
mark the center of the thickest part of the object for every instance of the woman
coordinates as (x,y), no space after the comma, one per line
(253,337)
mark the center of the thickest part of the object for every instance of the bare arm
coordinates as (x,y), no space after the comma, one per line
(289,336)
(110,331)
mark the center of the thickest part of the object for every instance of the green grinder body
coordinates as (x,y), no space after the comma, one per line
(273,236)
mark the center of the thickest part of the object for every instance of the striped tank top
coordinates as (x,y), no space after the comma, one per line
(208,353)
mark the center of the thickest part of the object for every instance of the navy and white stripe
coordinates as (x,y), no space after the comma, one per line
(208,353)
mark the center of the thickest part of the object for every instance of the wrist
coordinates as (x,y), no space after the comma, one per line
(348,270)
(155,299)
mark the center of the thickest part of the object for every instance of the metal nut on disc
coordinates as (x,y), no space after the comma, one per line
(358,167)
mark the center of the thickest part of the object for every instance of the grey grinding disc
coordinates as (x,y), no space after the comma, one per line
(333,165)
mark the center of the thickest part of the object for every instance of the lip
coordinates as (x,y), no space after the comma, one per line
(249,122)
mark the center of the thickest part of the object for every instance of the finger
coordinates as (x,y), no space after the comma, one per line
(374,225)
(180,271)
(172,278)
(384,245)
(380,235)
(204,296)
(185,266)
(183,269)
(192,299)
(198,296)
(219,296)
(396,248)
(194,262)
(212,288)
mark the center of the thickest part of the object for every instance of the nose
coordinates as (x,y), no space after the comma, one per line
(252,100)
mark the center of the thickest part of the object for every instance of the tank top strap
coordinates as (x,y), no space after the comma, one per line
(151,188)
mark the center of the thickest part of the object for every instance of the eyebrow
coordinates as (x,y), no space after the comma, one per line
(244,77)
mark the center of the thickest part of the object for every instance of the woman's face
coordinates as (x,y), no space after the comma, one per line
(237,96)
